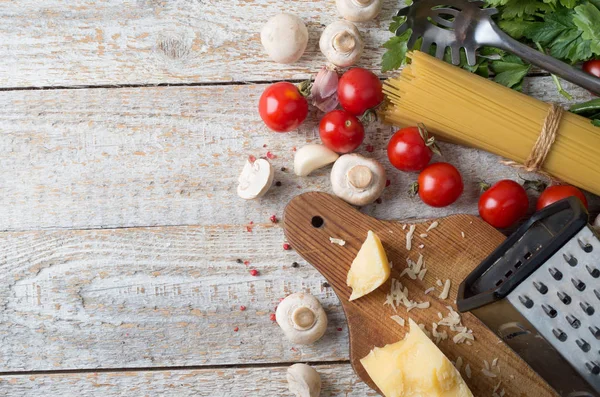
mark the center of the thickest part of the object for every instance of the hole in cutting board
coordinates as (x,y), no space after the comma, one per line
(317,221)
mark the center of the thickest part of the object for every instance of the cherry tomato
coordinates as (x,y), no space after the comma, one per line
(359,90)
(440,184)
(503,204)
(555,193)
(282,107)
(408,150)
(341,132)
(592,67)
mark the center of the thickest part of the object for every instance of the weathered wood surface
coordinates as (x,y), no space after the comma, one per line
(153,297)
(337,381)
(101,158)
(114,42)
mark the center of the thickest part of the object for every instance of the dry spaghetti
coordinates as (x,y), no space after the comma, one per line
(467,109)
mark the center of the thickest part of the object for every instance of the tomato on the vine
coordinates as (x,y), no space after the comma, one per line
(282,107)
(411,149)
(503,204)
(440,184)
(592,67)
(555,193)
(341,132)
(359,90)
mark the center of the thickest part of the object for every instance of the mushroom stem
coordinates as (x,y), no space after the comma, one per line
(344,42)
(362,3)
(359,176)
(303,318)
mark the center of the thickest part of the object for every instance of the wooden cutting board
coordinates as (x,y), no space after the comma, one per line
(310,219)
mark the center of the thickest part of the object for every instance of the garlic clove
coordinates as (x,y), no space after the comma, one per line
(256,179)
(311,157)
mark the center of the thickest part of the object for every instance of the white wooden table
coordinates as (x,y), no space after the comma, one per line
(123,128)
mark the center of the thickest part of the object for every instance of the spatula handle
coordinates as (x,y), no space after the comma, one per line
(546,62)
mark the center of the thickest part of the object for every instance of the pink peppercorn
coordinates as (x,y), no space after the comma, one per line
(274,219)
(242,308)
(254,272)
(370,148)
(236,329)
(388,183)
(286,246)
(272,317)
(270,156)
(339,329)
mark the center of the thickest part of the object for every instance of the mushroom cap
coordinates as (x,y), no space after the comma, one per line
(256,179)
(341,43)
(284,38)
(311,157)
(359,10)
(357,179)
(303,381)
(302,318)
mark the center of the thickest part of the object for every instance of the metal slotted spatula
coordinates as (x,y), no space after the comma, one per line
(465,24)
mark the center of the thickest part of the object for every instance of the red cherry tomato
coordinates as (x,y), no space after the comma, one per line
(440,184)
(341,132)
(503,204)
(407,149)
(592,67)
(282,107)
(559,192)
(359,90)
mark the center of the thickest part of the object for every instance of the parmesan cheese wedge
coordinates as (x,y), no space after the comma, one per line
(369,269)
(414,367)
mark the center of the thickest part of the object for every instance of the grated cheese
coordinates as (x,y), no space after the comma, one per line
(486,365)
(468,371)
(422,274)
(403,227)
(446,290)
(409,237)
(487,373)
(399,296)
(459,363)
(432,226)
(454,322)
(398,319)
(423,235)
(462,234)
(421,245)
(439,283)
(494,362)
(337,241)
(428,290)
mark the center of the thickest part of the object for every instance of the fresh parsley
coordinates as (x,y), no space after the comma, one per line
(566,29)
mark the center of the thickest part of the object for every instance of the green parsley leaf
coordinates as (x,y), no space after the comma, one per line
(519,8)
(596,122)
(510,71)
(569,3)
(587,19)
(516,27)
(397,21)
(395,55)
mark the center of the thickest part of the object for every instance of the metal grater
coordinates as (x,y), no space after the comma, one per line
(540,292)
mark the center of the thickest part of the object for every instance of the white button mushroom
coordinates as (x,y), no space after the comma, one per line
(303,381)
(359,10)
(311,157)
(256,178)
(596,223)
(302,318)
(357,179)
(284,38)
(341,43)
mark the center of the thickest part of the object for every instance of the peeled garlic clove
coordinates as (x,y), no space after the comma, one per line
(256,178)
(311,157)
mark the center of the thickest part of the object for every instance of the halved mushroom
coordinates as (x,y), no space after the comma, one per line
(311,157)
(302,318)
(341,43)
(284,38)
(359,10)
(256,178)
(357,179)
(303,381)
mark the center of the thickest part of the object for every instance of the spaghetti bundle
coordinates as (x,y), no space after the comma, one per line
(470,110)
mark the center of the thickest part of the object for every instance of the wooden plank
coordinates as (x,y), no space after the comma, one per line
(337,381)
(100,158)
(153,297)
(150,42)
